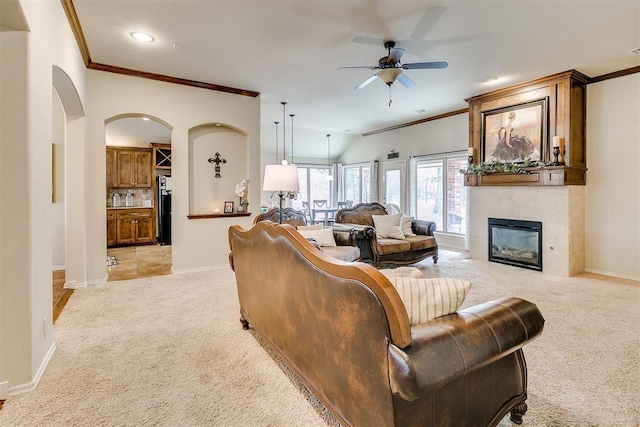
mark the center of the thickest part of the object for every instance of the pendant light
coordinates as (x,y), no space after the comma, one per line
(276,123)
(284,134)
(291,115)
(329,177)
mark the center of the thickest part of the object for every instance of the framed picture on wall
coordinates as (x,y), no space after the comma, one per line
(228,207)
(514,134)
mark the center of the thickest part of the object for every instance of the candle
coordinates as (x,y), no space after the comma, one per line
(556,141)
(470,151)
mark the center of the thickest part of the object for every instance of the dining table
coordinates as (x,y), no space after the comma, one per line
(323,215)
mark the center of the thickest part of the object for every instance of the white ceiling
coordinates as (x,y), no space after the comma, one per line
(289,50)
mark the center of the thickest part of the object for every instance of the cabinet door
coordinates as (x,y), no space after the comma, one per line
(111,230)
(125,164)
(144,230)
(126,230)
(111,168)
(143,169)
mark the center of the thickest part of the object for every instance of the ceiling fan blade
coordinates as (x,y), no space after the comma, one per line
(406,81)
(427,21)
(394,55)
(360,67)
(366,82)
(425,65)
(368,40)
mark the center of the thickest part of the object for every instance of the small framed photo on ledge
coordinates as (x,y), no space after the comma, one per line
(228,207)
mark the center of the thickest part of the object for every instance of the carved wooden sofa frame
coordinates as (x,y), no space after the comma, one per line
(380,251)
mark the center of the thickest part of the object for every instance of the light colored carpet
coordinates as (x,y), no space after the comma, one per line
(170,351)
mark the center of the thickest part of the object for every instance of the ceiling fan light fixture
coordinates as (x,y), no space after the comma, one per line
(389,75)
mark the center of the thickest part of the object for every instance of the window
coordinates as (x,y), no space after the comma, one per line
(439,193)
(313,184)
(357,183)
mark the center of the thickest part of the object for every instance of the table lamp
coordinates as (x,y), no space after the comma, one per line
(281,179)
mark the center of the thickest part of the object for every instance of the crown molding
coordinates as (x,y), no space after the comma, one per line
(76,28)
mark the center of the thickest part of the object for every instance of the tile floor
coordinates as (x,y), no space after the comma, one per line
(139,261)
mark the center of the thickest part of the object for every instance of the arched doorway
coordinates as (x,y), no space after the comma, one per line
(68,256)
(141,249)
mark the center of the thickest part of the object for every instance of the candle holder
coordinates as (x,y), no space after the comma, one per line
(556,153)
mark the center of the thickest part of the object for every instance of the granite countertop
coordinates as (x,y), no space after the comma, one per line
(130,207)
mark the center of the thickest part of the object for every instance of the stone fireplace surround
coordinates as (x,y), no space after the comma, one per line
(560,209)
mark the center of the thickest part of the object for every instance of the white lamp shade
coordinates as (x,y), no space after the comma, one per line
(281,178)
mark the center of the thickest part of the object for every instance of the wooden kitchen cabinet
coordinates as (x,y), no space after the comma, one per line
(111,227)
(132,226)
(111,168)
(129,167)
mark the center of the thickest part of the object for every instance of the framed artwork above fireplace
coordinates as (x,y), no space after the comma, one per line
(514,133)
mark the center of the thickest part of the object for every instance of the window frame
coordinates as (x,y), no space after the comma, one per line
(443,159)
(343,182)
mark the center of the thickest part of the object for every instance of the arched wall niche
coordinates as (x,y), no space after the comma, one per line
(206,192)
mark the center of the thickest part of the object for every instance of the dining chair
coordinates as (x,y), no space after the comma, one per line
(345,204)
(320,217)
(307,212)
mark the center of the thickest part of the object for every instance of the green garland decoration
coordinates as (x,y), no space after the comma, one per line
(497,166)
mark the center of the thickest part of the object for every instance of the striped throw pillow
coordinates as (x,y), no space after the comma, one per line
(426,299)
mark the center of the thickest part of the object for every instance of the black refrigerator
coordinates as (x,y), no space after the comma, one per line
(164,209)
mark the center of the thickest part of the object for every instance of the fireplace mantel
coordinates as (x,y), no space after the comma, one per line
(562,101)
(550,175)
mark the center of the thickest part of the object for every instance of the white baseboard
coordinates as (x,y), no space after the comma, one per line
(30,386)
(59,267)
(194,270)
(608,273)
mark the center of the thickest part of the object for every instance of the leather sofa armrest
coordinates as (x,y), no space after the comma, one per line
(361,231)
(423,227)
(451,346)
(344,237)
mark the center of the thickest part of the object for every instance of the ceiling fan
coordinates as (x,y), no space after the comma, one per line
(390,68)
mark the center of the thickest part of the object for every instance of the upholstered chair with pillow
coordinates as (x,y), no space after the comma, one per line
(339,244)
(385,238)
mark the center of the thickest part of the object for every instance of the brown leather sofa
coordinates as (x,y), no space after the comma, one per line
(346,248)
(379,250)
(344,331)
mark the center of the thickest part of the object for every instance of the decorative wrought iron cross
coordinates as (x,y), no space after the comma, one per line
(217,160)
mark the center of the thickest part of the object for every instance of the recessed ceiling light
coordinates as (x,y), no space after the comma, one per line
(421,111)
(142,37)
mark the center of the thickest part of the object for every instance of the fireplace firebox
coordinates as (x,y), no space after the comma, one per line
(515,242)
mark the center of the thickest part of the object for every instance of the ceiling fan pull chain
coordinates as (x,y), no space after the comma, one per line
(390,99)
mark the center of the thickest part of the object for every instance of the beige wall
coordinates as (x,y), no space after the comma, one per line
(58,208)
(196,243)
(439,136)
(613,178)
(26,70)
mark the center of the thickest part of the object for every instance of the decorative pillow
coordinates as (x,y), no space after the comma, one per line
(426,299)
(388,226)
(406,226)
(310,227)
(324,236)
